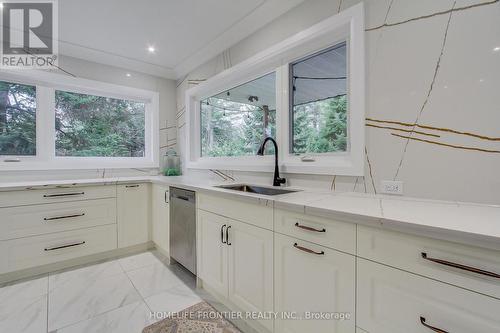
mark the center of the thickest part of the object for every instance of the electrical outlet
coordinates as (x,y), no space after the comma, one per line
(392,187)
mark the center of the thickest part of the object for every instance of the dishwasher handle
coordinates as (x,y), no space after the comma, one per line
(181,195)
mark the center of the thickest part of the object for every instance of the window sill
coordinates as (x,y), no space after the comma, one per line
(78,164)
(267,165)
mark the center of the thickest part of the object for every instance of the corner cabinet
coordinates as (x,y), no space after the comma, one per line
(311,280)
(160,219)
(235,260)
(133,214)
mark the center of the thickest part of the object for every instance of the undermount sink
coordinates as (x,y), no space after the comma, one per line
(256,189)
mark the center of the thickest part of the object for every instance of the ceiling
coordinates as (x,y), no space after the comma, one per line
(184,33)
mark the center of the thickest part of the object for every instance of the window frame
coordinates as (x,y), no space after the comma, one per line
(45,159)
(346,26)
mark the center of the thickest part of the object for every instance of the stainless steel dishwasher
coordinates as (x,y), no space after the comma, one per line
(183,227)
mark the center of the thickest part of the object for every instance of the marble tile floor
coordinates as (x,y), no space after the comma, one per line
(107,297)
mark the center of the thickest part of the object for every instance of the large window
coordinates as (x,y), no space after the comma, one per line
(88,125)
(236,121)
(316,115)
(49,121)
(319,102)
(17,119)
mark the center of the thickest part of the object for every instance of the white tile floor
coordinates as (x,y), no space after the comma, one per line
(109,297)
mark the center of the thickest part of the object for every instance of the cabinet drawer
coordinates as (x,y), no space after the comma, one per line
(306,282)
(254,211)
(393,301)
(42,196)
(327,232)
(24,221)
(416,254)
(46,249)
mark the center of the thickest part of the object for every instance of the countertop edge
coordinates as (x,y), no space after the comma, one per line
(380,221)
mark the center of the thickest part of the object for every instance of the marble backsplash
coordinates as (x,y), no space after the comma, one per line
(433,102)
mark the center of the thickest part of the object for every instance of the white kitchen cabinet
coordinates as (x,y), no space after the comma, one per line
(212,252)
(21,253)
(235,259)
(160,221)
(448,262)
(133,214)
(312,279)
(251,268)
(394,301)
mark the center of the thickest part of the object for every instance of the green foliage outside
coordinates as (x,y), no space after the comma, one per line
(320,127)
(234,129)
(17,119)
(85,125)
(88,125)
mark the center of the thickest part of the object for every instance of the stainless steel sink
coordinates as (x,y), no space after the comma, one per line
(256,189)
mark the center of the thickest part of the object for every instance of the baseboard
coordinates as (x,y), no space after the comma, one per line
(164,253)
(94,258)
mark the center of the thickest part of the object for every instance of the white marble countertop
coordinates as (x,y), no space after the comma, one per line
(468,223)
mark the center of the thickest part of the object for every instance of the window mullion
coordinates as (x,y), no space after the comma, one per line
(45,124)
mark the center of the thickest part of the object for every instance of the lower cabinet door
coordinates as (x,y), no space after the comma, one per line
(251,270)
(314,288)
(211,251)
(133,209)
(160,220)
(394,301)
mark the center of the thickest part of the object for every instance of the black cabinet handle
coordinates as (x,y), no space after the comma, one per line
(309,228)
(227,235)
(63,246)
(432,328)
(62,217)
(305,249)
(131,186)
(460,266)
(59,195)
(222,234)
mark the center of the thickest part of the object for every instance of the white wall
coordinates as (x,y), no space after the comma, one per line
(428,62)
(115,75)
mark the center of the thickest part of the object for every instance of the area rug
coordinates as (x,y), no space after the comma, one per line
(199,318)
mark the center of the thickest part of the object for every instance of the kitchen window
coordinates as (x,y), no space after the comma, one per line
(89,125)
(318,86)
(17,119)
(234,122)
(50,121)
(316,115)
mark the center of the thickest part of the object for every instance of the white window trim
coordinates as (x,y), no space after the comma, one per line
(345,26)
(47,83)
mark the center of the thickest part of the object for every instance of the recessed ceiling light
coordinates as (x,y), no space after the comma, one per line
(151,49)
(481,80)
(128,75)
(496,49)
